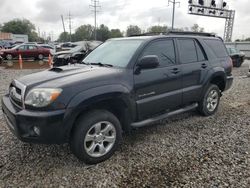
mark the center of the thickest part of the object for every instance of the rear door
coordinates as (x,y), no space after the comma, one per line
(32,51)
(195,67)
(159,90)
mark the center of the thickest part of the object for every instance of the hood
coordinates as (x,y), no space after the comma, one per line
(69,76)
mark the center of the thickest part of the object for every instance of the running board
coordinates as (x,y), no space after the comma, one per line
(163,116)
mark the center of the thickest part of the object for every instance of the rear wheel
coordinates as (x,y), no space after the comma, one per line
(96,136)
(238,62)
(40,56)
(9,57)
(210,101)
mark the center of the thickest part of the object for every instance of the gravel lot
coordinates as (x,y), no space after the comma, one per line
(186,151)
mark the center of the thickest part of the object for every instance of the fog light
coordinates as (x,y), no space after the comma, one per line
(36,130)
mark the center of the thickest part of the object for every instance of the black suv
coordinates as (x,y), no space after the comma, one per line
(124,83)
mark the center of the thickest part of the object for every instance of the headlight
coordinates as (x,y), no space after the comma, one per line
(41,97)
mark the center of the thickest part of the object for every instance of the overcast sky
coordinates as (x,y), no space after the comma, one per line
(45,14)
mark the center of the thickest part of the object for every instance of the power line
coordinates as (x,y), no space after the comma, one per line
(95,5)
(174,3)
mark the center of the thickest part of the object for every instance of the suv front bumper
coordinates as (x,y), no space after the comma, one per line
(33,126)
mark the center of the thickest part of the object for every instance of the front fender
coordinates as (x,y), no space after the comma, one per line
(94,95)
(98,94)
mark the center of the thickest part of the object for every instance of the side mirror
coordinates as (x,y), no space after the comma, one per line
(148,62)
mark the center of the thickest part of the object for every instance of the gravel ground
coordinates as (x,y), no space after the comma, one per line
(186,151)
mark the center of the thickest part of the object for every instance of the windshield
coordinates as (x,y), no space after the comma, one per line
(233,50)
(17,46)
(115,52)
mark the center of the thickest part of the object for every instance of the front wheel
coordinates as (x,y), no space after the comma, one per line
(9,57)
(210,101)
(96,136)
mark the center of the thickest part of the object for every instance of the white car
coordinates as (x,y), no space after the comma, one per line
(51,48)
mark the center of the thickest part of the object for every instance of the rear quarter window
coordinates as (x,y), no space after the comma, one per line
(217,47)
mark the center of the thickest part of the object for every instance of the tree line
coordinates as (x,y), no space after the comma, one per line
(86,32)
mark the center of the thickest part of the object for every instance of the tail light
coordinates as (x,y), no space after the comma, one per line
(231,62)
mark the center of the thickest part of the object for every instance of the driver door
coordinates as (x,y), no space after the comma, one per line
(159,90)
(22,50)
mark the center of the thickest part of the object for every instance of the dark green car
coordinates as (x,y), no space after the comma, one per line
(236,55)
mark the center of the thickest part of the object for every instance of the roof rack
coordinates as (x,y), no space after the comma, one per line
(192,33)
(178,33)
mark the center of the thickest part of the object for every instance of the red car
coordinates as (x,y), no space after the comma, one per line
(26,50)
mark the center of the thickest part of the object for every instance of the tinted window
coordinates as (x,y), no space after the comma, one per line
(200,52)
(187,51)
(217,47)
(164,49)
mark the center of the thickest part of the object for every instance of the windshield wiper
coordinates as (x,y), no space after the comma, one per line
(85,63)
(102,64)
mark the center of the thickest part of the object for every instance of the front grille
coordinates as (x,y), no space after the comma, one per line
(16,92)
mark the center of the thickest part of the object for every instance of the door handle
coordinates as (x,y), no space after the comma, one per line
(203,65)
(175,71)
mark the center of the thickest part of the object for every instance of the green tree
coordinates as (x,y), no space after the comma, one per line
(247,39)
(63,37)
(115,33)
(102,33)
(84,32)
(158,29)
(133,30)
(18,26)
(197,28)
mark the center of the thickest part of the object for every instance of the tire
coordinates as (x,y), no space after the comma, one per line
(9,56)
(89,134)
(40,57)
(210,101)
(238,63)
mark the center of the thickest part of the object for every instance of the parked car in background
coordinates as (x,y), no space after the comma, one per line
(51,48)
(5,44)
(26,50)
(75,55)
(65,46)
(236,55)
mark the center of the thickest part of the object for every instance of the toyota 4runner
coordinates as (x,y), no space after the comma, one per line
(124,83)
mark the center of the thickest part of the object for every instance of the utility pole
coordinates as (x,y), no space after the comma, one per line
(95,5)
(64,30)
(173,14)
(70,25)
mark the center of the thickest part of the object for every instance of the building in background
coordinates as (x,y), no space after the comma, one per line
(14,37)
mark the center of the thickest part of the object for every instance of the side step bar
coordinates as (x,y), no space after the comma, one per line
(163,116)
